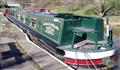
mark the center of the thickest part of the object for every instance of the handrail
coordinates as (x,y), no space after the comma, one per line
(83,29)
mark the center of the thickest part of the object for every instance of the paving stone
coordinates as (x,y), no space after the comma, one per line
(4,47)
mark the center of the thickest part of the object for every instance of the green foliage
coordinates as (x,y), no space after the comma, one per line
(61,9)
(116,31)
(114,20)
(103,8)
(2,5)
(55,2)
(67,9)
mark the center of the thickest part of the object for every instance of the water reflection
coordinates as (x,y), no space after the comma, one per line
(116,38)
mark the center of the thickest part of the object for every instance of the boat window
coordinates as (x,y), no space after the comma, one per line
(33,22)
(24,19)
(80,38)
(19,16)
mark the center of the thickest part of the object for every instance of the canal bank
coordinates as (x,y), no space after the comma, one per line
(45,60)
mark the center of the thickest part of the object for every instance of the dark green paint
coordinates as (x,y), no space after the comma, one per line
(59,28)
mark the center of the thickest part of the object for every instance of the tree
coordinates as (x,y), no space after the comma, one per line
(3,4)
(103,8)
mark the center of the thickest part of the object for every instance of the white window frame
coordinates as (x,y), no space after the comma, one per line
(33,20)
(24,18)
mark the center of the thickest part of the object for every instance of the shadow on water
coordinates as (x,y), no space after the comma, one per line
(117,64)
(117,44)
(116,38)
(13,52)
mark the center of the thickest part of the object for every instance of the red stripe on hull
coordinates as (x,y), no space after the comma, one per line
(83,62)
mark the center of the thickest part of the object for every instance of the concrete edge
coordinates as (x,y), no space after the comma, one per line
(67,66)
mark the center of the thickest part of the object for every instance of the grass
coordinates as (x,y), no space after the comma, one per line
(116,30)
(21,49)
(35,64)
(114,20)
(61,9)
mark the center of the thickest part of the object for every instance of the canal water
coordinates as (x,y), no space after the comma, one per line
(116,38)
